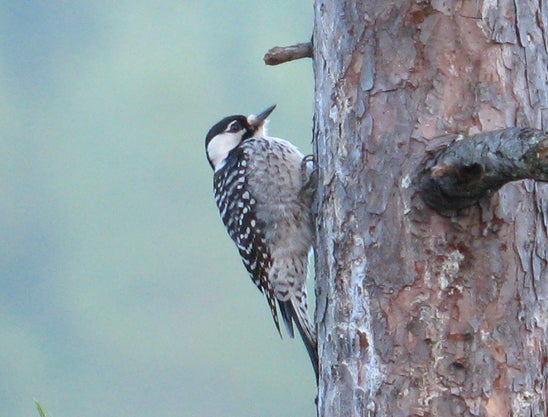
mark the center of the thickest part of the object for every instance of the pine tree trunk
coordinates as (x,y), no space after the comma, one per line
(420,314)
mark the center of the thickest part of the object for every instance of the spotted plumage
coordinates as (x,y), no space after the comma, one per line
(258,183)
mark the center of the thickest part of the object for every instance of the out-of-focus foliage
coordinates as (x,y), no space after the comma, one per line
(121,294)
(41,411)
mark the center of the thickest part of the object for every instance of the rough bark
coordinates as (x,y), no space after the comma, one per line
(419,314)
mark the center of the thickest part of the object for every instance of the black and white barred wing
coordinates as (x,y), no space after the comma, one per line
(237,208)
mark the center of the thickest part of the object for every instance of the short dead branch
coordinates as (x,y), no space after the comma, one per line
(280,54)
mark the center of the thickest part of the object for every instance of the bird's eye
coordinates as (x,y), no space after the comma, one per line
(235,126)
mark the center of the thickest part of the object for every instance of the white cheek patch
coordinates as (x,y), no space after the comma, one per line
(220,146)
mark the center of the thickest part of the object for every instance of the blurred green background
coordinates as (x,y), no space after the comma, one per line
(121,293)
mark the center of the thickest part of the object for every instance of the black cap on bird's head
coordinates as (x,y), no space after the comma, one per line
(251,124)
(227,134)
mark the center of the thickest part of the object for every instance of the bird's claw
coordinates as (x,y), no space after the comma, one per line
(309,175)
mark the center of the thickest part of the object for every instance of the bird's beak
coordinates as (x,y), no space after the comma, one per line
(258,120)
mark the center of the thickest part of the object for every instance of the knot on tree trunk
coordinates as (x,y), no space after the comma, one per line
(468,169)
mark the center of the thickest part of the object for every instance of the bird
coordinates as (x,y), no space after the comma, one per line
(262,190)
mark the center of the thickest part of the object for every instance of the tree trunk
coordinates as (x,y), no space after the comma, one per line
(420,314)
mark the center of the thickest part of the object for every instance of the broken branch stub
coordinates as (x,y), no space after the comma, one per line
(281,54)
(471,168)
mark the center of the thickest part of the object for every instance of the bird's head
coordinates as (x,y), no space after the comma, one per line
(227,134)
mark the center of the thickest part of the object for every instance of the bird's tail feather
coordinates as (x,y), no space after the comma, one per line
(286,311)
(292,313)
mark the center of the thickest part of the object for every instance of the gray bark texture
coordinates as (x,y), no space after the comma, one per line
(421,314)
